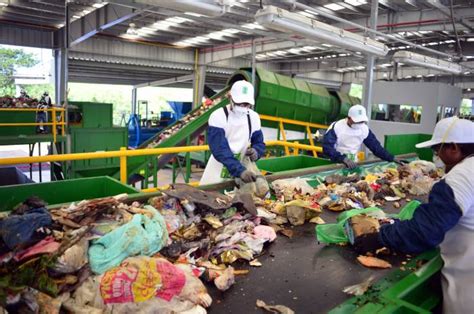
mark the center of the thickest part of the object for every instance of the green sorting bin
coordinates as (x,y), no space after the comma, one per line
(286,163)
(19,117)
(405,144)
(58,192)
(402,291)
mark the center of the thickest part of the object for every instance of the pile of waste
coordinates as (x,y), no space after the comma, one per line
(18,102)
(169,132)
(110,255)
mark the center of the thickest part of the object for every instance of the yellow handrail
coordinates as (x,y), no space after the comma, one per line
(295,122)
(123,153)
(308,126)
(54,124)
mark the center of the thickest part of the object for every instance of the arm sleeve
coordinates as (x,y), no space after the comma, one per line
(374,145)
(428,226)
(220,149)
(258,143)
(329,146)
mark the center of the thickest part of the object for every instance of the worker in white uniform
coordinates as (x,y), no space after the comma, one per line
(344,138)
(234,131)
(446,220)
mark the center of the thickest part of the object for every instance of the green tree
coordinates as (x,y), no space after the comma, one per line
(37,90)
(10,60)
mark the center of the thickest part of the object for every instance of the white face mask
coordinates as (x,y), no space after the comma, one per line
(358,126)
(438,162)
(240,110)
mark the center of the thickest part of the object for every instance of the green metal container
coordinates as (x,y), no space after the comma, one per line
(402,291)
(405,143)
(18,117)
(282,96)
(279,164)
(94,115)
(345,103)
(59,192)
(93,140)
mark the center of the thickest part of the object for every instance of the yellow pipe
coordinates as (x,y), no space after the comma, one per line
(27,124)
(30,109)
(137,152)
(98,155)
(165,187)
(63,129)
(123,166)
(196,86)
(296,150)
(311,141)
(53,118)
(283,135)
(295,122)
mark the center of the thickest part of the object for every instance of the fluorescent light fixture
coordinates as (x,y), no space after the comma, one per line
(99,4)
(470,39)
(193,14)
(278,19)
(327,45)
(212,8)
(427,62)
(281,52)
(3,4)
(253,26)
(294,50)
(408,76)
(355,2)
(307,14)
(430,75)
(334,6)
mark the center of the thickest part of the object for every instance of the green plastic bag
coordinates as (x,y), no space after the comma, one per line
(334,233)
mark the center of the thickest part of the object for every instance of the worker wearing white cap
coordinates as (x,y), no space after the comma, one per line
(344,138)
(234,131)
(446,220)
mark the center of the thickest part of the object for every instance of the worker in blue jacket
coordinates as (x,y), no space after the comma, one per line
(446,220)
(234,132)
(343,139)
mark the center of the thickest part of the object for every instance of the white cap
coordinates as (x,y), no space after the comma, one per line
(451,130)
(242,92)
(358,114)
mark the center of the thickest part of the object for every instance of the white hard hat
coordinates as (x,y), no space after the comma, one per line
(358,114)
(451,130)
(242,92)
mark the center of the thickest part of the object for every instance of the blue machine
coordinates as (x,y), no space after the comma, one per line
(139,131)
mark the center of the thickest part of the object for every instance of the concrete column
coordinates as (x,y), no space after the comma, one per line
(198,85)
(369,78)
(60,75)
(134,101)
(254,61)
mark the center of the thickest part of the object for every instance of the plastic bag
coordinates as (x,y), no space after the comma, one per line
(334,233)
(258,188)
(141,236)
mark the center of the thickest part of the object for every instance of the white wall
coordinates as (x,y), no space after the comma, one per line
(427,95)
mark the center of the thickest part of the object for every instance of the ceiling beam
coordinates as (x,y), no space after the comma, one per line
(95,22)
(169,81)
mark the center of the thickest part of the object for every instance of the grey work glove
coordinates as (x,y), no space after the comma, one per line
(248,176)
(252,154)
(349,163)
(401,162)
